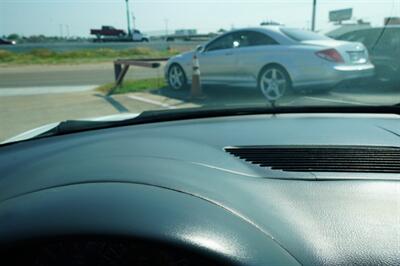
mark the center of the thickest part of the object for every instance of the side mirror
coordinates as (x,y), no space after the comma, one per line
(200,48)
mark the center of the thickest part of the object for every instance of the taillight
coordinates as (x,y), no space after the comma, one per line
(330,55)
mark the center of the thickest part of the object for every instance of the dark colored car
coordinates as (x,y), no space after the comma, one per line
(383,45)
(6,42)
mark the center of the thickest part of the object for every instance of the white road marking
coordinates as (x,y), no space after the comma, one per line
(334,101)
(22,91)
(142,99)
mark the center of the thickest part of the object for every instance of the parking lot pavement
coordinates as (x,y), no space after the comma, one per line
(19,112)
(232,96)
(377,97)
(24,112)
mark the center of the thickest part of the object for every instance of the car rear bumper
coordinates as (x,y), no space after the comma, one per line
(355,71)
(329,76)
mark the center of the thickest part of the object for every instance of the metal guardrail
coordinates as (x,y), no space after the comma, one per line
(121,67)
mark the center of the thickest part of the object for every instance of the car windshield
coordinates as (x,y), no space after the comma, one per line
(302,35)
(94,60)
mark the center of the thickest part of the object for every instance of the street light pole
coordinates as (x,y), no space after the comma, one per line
(313,15)
(67,30)
(128,17)
(61,31)
(133,21)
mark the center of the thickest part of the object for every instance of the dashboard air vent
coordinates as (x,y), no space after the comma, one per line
(354,159)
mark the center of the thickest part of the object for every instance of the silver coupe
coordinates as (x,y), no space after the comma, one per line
(275,59)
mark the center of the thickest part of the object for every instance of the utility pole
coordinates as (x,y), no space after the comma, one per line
(128,17)
(313,15)
(133,21)
(67,30)
(61,31)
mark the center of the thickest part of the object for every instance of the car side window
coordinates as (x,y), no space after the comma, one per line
(224,42)
(367,37)
(362,37)
(371,38)
(389,41)
(357,36)
(252,38)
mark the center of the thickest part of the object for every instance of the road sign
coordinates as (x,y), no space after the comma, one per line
(340,15)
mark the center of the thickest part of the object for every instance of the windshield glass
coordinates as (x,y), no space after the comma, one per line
(111,60)
(302,35)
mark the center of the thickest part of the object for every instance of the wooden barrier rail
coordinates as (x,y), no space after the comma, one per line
(121,67)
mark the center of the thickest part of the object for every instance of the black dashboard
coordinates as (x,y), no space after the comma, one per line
(175,182)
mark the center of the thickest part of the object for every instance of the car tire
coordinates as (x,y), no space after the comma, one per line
(176,77)
(274,82)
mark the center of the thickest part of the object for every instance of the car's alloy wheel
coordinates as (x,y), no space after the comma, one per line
(176,77)
(274,83)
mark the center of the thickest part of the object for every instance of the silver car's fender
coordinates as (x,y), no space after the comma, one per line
(184,60)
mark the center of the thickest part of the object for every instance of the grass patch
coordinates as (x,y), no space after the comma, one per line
(134,85)
(46,56)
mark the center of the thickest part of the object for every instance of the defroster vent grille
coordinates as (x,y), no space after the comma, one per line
(354,159)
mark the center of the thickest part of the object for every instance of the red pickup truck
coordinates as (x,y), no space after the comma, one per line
(111,34)
(108,31)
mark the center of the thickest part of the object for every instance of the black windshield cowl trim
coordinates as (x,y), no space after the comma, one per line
(75,126)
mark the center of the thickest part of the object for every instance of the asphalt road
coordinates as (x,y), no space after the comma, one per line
(73,46)
(68,75)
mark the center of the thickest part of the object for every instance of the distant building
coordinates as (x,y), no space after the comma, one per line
(185,32)
(270,23)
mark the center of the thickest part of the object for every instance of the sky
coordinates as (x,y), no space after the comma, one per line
(77,17)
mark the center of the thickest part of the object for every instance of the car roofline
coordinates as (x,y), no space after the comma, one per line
(274,30)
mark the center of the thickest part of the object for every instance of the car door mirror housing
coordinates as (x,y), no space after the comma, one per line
(200,48)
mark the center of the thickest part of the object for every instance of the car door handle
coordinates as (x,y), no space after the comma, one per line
(229,53)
